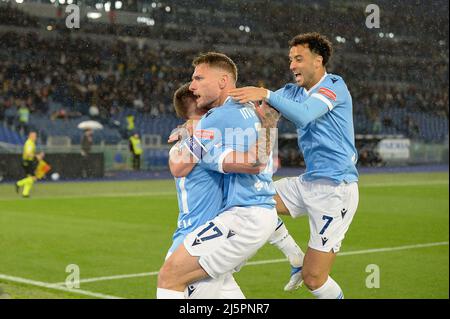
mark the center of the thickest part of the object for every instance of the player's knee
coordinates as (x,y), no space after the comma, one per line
(313,280)
(166,276)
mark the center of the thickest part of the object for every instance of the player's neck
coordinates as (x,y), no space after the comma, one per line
(316,79)
(224,95)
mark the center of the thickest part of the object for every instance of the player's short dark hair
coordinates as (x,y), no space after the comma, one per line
(218,60)
(179,100)
(317,43)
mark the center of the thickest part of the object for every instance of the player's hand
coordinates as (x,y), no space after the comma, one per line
(189,126)
(175,135)
(182,131)
(248,93)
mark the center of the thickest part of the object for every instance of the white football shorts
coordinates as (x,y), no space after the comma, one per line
(224,287)
(225,243)
(330,208)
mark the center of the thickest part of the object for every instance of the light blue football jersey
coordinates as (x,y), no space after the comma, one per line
(324,120)
(200,198)
(233,127)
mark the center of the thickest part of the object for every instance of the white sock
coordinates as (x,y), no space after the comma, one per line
(284,242)
(162,293)
(329,290)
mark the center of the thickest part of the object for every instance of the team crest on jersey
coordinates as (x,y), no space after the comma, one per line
(204,134)
(328,93)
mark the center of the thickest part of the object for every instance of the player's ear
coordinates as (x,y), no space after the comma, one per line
(318,61)
(223,81)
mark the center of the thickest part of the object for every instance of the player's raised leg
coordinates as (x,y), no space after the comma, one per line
(284,242)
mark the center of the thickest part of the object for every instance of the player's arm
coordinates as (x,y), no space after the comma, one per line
(255,160)
(240,162)
(300,113)
(181,160)
(181,157)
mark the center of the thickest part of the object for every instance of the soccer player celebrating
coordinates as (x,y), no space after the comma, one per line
(320,106)
(195,208)
(247,218)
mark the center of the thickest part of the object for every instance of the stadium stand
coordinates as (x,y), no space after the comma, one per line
(398,76)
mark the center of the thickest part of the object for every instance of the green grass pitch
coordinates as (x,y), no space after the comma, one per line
(125,228)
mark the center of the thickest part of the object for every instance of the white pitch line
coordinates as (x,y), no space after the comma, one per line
(51,286)
(106,195)
(271,261)
(143,274)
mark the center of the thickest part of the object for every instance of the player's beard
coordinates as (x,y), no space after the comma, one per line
(208,104)
(201,110)
(305,82)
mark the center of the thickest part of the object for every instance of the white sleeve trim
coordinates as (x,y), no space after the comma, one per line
(323,99)
(222,158)
(268,95)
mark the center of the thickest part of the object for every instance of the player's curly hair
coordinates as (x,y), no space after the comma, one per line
(317,43)
(179,99)
(219,60)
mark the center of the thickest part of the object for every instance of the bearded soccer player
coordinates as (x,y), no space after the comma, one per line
(320,105)
(214,249)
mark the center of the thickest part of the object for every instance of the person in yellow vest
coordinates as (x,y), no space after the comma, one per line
(29,154)
(130,124)
(33,165)
(136,150)
(42,168)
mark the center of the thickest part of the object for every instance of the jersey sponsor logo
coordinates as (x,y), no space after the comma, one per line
(328,93)
(205,134)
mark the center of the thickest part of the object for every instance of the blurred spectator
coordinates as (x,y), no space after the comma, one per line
(412,129)
(110,77)
(24,118)
(86,145)
(10,113)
